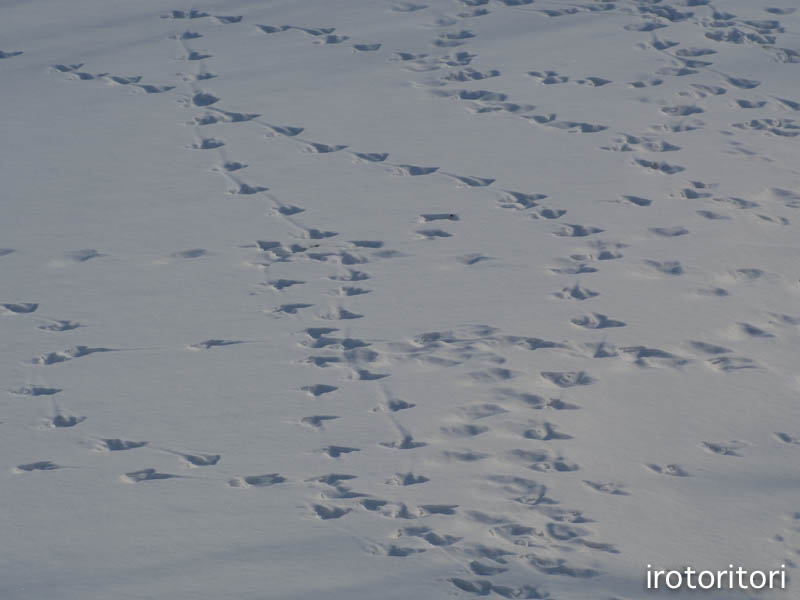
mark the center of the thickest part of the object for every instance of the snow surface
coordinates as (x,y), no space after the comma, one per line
(364,299)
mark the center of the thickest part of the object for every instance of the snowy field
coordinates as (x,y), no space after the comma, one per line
(397,300)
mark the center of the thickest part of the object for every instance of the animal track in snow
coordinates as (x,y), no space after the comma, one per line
(568,126)
(185,35)
(597,321)
(337,451)
(283,130)
(339,313)
(566,379)
(319,389)
(291,309)
(463,431)
(351,275)
(637,200)
(465,181)
(723,449)
(248,481)
(644,26)
(742,83)
(481,411)
(272,29)
(405,479)
(669,267)
(787,439)
(116,444)
(195,55)
(42,465)
(317,148)
(394,405)
(737,36)
(185,14)
(208,144)
(83,255)
(703,91)
(707,348)
(787,104)
(473,95)
(352,291)
(36,390)
(750,103)
(728,364)
(199,460)
(576,292)
(225,116)
(406,442)
(329,512)
(593,81)
(280,284)
(577,231)
(659,167)
(66,68)
(146,475)
(407,7)
(317,421)
(669,231)
(64,421)
(413,171)
(371,157)
(543,431)
(647,82)
(19,309)
(366,47)
(431,234)
(492,374)
(203,99)
(470,74)
(314,32)
(520,201)
(674,470)
(463,456)
(779,127)
(614,489)
(643,356)
(64,355)
(322,361)
(629,143)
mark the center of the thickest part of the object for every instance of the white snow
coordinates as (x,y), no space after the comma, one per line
(360,300)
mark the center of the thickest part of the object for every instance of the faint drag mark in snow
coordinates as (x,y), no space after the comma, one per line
(213,343)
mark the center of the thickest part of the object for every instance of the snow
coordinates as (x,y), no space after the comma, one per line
(396,300)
